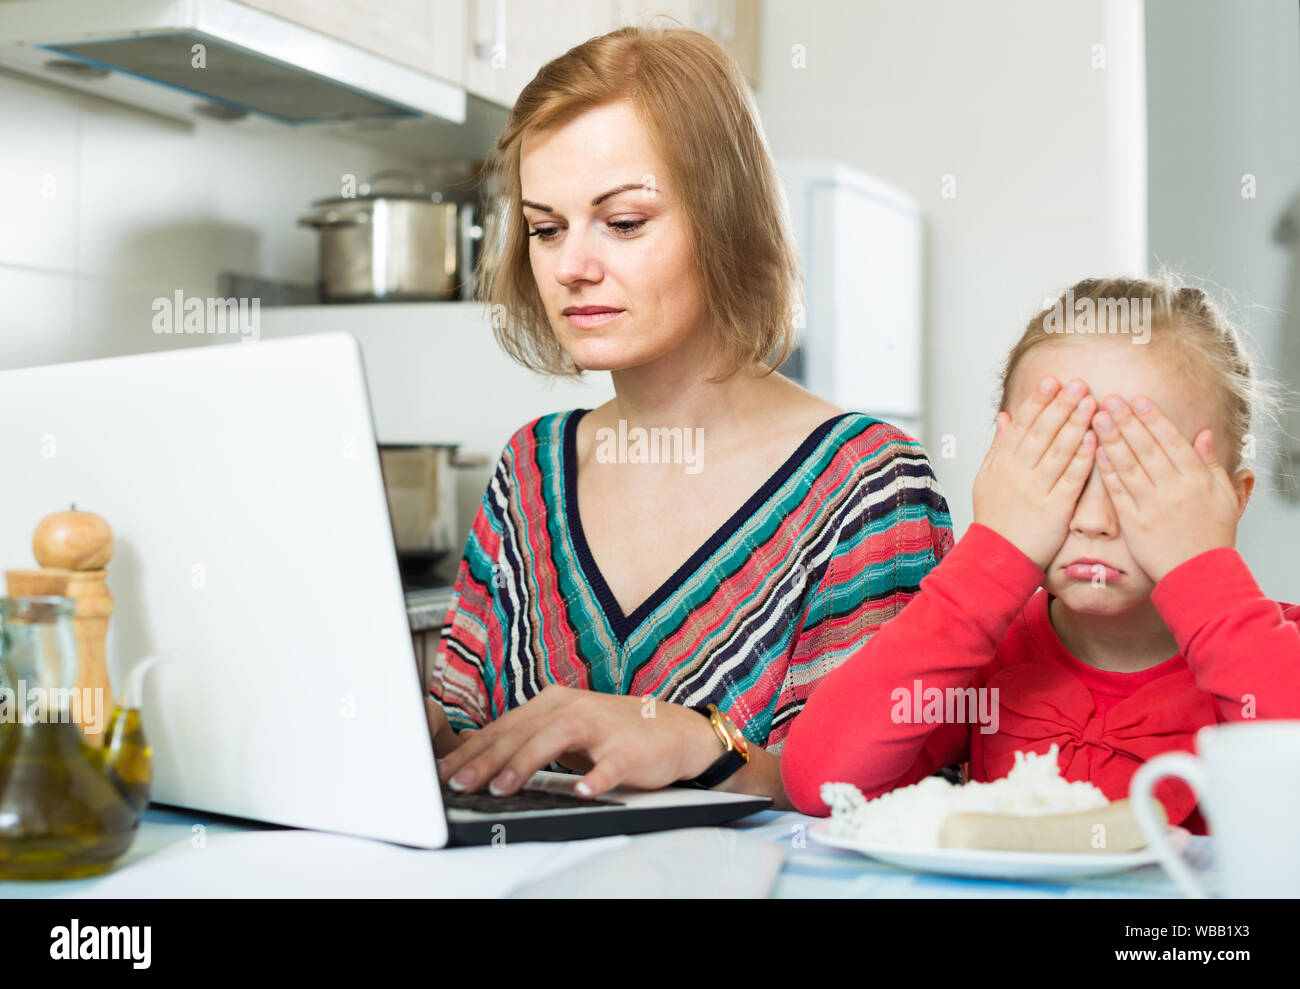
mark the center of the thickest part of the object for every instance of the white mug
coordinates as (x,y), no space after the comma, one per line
(1246,775)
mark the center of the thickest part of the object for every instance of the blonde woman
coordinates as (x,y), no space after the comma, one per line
(605,600)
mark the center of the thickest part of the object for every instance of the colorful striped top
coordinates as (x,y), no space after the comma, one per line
(833,545)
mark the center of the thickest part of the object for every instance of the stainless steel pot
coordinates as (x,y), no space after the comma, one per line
(404,246)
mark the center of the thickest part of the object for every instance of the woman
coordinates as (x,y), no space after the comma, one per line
(605,591)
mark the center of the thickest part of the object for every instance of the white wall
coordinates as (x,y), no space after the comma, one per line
(1047,153)
(105,208)
(1224,103)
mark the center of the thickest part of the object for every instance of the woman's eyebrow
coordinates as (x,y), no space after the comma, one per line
(595,202)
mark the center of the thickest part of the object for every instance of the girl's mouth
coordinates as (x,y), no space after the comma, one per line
(1092,570)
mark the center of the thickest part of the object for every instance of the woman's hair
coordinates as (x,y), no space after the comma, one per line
(696,106)
(1180,319)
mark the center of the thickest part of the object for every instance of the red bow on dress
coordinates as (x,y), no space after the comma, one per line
(1041,703)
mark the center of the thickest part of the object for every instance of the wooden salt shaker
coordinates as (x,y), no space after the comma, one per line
(78,545)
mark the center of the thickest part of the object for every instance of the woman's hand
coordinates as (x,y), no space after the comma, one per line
(1174,500)
(625,740)
(441,733)
(1036,468)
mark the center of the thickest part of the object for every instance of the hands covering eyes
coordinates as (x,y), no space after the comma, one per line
(1173,499)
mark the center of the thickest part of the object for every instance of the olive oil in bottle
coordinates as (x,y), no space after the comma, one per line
(67,808)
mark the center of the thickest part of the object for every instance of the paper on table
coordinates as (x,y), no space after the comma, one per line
(293,863)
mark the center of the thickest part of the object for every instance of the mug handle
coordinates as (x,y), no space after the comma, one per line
(1187,768)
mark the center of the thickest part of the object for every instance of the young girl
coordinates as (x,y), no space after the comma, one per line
(1115,484)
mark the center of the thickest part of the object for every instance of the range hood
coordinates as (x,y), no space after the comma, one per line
(256,69)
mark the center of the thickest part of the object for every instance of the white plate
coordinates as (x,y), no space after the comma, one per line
(979,863)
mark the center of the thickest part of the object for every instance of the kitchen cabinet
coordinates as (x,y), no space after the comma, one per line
(423,34)
(731,23)
(494,47)
(511,39)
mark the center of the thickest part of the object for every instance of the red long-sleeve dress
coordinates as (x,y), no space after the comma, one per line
(981,620)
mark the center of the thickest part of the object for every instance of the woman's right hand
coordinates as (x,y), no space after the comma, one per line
(1036,467)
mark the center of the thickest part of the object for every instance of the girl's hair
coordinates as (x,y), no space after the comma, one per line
(1183,321)
(703,124)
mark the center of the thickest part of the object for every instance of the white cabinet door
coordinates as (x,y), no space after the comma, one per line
(643,11)
(424,34)
(731,23)
(509,40)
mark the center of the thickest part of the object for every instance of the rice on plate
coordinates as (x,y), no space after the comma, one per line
(912,816)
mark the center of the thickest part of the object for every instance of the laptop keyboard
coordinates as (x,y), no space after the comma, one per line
(524,800)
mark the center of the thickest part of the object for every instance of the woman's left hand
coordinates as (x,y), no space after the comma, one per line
(1173,498)
(627,740)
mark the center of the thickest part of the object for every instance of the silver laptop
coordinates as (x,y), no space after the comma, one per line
(254,552)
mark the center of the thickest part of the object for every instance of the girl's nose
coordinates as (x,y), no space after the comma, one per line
(1094,512)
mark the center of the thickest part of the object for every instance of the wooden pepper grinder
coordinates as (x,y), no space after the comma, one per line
(80,544)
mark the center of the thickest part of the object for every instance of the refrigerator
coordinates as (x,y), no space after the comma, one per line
(860,241)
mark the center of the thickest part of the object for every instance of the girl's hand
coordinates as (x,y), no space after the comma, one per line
(1173,498)
(1036,468)
(622,739)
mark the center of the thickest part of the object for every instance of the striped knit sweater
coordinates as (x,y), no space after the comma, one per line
(833,545)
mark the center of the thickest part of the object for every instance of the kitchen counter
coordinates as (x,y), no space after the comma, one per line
(427,607)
